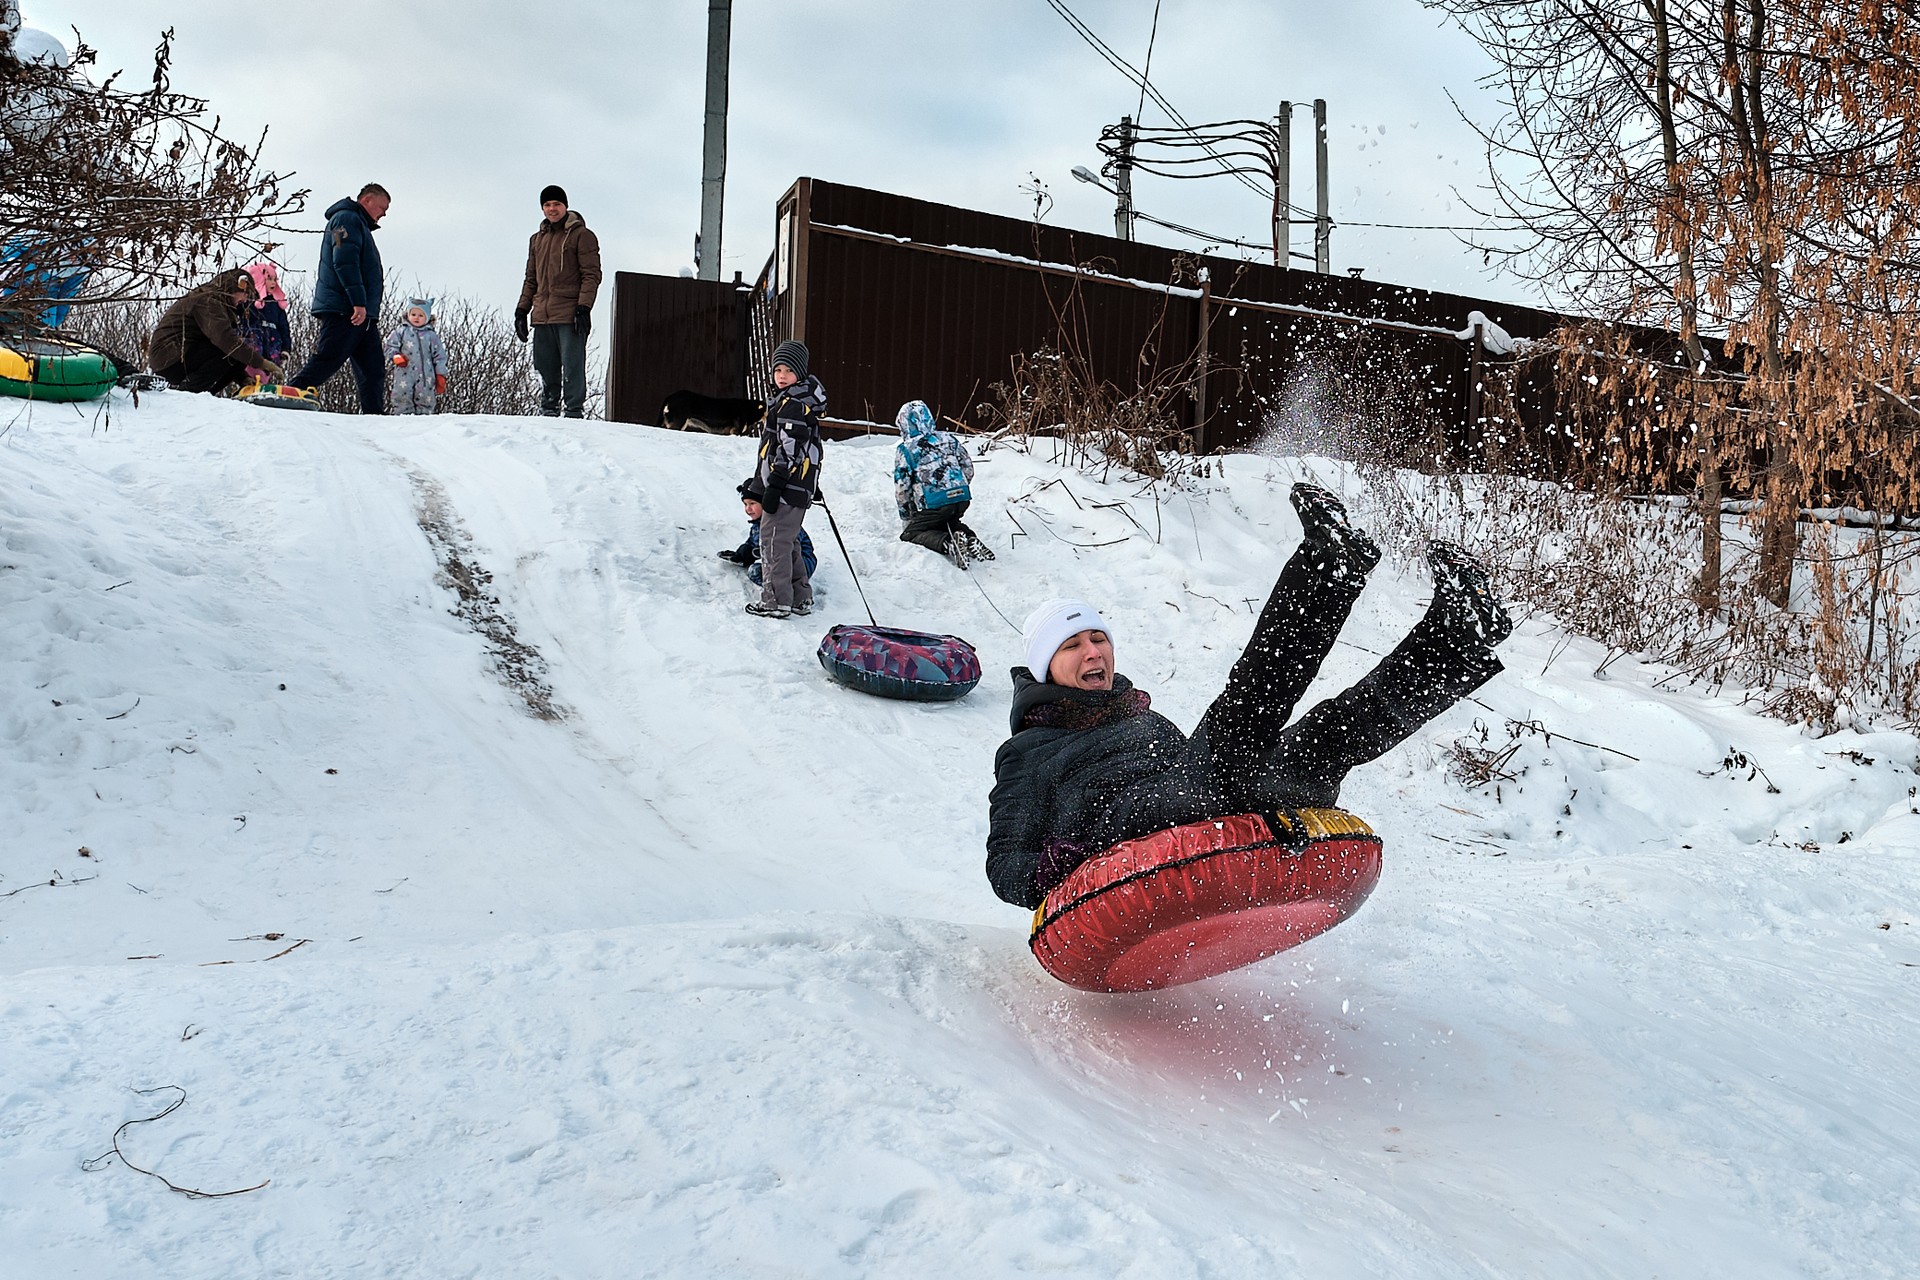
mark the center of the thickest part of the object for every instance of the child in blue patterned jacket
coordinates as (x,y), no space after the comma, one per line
(932,486)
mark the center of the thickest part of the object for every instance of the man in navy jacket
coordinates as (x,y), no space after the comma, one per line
(346,299)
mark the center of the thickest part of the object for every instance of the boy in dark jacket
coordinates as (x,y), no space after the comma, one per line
(747,554)
(1090,764)
(787,478)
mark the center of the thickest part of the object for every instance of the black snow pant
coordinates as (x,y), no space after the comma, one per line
(934,530)
(1246,756)
(340,341)
(203,367)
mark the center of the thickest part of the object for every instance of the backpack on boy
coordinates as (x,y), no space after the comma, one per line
(932,468)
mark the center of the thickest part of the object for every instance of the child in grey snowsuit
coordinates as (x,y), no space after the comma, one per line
(419,360)
(932,471)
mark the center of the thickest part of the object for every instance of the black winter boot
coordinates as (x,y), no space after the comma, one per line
(1463,597)
(1324,519)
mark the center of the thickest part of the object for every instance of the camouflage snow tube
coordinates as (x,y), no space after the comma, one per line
(891,662)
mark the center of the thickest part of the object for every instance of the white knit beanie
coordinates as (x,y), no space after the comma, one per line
(1052,625)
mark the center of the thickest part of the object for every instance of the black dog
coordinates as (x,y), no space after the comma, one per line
(715,415)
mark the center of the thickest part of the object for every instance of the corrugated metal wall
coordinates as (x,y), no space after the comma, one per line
(673,334)
(904,299)
(890,322)
(901,299)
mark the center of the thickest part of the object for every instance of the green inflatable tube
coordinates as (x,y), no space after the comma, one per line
(49,369)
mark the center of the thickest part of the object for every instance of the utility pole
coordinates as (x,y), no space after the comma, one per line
(713,167)
(1202,362)
(1322,223)
(1283,188)
(1123,182)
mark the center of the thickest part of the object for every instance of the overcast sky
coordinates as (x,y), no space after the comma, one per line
(464,110)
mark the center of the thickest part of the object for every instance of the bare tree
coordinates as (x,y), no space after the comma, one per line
(1745,173)
(136,191)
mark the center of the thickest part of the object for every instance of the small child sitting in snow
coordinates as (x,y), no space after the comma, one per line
(419,360)
(748,552)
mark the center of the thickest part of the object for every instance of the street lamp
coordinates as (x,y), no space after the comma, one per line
(1122,198)
(1123,213)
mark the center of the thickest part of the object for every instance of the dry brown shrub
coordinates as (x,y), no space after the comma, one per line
(1619,570)
(1135,425)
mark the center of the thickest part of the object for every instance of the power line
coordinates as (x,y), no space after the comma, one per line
(1146,70)
(1188,135)
(1128,70)
(1211,238)
(1406,226)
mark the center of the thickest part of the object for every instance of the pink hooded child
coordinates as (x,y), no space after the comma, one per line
(263,323)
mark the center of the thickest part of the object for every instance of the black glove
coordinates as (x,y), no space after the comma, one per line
(520,322)
(1057,860)
(732,557)
(770,501)
(583,320)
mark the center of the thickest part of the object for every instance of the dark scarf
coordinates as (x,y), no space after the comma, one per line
(1088,708)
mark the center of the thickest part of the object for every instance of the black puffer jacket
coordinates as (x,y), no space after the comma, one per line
(1089,788)
(789,464)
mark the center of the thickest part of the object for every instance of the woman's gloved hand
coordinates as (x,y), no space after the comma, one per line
(1058,858)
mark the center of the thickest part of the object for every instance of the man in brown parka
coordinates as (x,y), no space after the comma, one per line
(563,276)
(197,344)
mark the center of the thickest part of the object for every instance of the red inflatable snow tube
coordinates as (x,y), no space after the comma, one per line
(1197,900)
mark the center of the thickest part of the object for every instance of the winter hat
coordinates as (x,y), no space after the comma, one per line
(1052,625)
(791,354)
(553,192)
(232,280)
(425,304)
(266,284)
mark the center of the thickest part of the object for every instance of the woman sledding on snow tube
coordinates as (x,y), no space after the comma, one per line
(1089,765)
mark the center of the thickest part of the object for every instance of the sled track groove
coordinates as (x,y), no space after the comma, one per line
(519,665)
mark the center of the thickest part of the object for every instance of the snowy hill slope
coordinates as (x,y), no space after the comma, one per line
(700,975)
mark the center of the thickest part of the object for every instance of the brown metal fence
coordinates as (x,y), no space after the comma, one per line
(901,299)
(674,334)
(904,299)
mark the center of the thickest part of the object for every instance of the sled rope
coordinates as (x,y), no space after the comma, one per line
(835,526)
(975,579)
